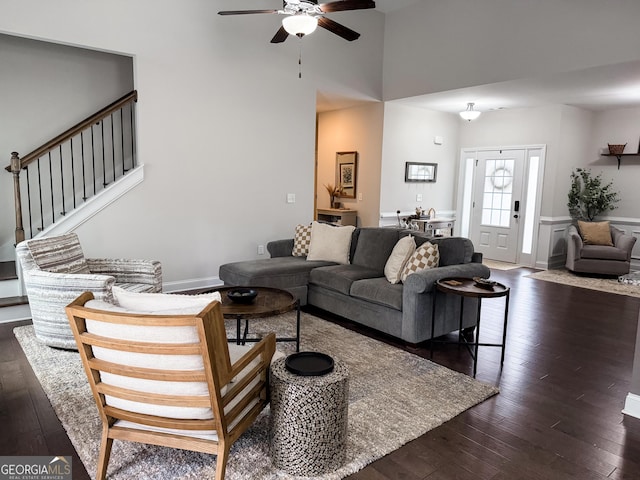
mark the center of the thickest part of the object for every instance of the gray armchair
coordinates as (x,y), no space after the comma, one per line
(599,259)
(55,273)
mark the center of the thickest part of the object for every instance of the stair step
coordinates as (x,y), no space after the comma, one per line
(13,301)
(8,271)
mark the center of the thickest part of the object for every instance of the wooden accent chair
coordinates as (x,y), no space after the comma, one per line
(170,380)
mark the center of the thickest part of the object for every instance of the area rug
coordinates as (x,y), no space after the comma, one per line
(566,277)
(394,397)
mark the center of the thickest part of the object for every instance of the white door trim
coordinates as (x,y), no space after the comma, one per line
(462,210)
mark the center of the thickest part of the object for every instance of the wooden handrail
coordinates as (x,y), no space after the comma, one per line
(63,137)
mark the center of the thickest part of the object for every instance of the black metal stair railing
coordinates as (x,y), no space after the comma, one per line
(74,166)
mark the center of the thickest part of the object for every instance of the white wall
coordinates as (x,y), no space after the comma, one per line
(225,127)
(409,137)
(352,129)
(621,125)
(435,46)
(47,88)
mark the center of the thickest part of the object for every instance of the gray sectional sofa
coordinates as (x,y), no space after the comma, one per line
(359,290)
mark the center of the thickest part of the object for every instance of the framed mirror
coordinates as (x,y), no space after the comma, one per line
(420,172)
(347,173)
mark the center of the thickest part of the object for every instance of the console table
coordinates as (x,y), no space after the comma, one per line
(437,226)
(338,216)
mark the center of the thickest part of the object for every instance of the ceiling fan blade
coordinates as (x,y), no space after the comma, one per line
(338,29)
(280,36)
(342,5)
(245,12)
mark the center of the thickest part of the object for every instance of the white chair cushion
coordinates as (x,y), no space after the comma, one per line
(161,302)
(155,334)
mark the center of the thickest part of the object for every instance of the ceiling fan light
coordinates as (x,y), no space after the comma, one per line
(470,114)
(300,24)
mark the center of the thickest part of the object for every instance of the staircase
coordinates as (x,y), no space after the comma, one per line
(67,180)
(13,306)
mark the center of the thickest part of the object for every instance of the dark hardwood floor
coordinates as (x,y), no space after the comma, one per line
(558,415)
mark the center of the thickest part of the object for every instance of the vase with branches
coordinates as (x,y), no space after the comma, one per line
(334,192)
(589,196)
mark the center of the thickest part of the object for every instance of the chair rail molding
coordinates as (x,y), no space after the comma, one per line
(552,239)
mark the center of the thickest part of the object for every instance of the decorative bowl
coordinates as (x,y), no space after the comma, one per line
(484,283)
(242,295)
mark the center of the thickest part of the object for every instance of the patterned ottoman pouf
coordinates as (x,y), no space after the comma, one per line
(308,420)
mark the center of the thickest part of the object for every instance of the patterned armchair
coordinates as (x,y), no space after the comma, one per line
(55,272)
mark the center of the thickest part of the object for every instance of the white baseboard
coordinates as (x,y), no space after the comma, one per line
(191,284)
(632,405)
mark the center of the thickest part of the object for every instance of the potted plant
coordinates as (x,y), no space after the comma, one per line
(589,196)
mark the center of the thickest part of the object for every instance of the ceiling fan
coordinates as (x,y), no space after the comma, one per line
(303,16)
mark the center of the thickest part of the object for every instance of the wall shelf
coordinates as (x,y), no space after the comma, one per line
(619,157)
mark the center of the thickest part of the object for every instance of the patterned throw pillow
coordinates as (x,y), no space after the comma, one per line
(426,256)
(60,254)
(301,241)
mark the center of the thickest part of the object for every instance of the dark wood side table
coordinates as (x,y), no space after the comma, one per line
(269,302)
(466,287)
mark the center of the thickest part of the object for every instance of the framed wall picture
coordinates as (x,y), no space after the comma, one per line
(347,173)
(420,172)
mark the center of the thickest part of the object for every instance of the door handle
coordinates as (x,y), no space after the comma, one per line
(516,216)
(516,206)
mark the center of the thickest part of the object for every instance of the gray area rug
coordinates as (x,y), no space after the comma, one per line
(565,277)
(394,397)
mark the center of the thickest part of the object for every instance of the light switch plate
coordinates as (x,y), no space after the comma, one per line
(438,140)
(291,198)
(360,197)
(419,197)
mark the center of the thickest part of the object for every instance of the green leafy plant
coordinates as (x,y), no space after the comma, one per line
(589,196)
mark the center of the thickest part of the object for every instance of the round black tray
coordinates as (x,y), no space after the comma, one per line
(309,364)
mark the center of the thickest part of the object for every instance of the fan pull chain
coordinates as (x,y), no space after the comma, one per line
(300,58)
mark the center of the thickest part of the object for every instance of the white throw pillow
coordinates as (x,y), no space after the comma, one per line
(402,251)
(160,302)
(329,243)
(426,256)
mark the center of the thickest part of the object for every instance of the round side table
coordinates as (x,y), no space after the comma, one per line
(308,422)
(467,287)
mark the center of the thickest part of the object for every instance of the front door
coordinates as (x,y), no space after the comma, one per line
(495,225)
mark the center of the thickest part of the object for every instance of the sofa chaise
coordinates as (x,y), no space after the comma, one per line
(360,292)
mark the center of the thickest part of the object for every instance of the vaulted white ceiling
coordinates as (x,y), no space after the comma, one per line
(598,88)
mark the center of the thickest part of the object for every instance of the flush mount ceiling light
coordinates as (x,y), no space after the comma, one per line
(300,24)
(470,114)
